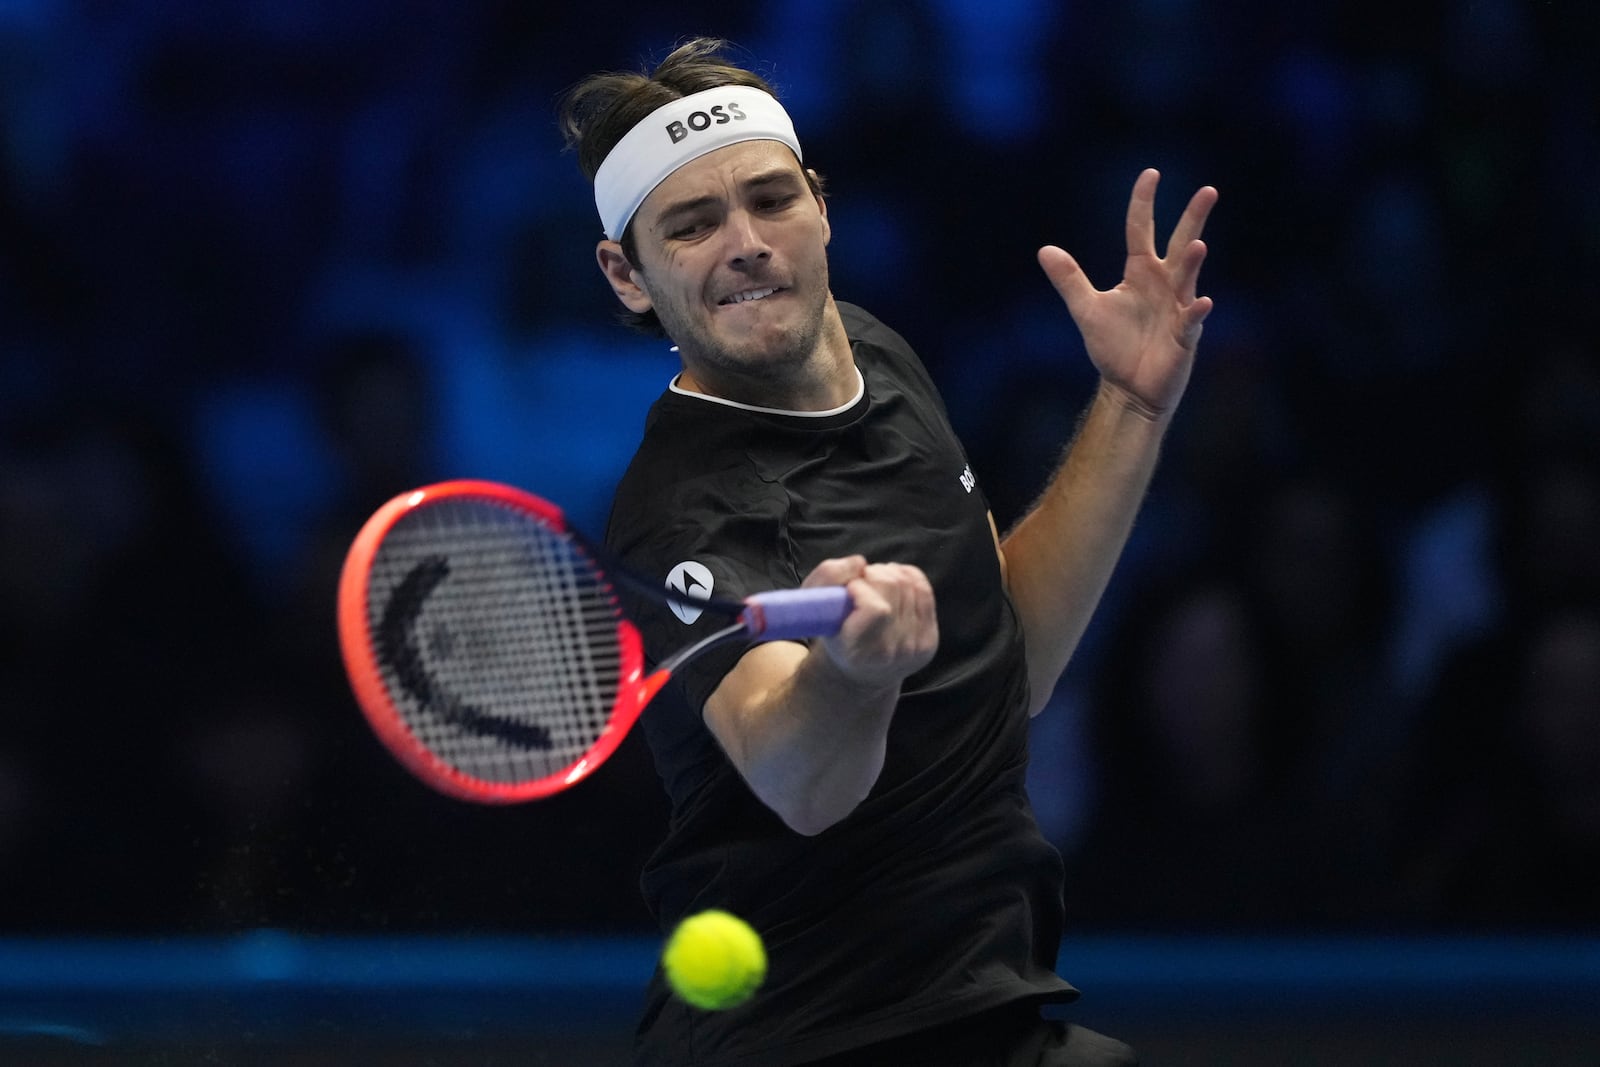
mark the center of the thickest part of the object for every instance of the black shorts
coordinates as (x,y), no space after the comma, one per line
(1010,1036)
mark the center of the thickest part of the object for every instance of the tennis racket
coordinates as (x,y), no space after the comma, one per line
(486,644)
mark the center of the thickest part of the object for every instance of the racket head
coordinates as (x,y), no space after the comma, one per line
(485,644)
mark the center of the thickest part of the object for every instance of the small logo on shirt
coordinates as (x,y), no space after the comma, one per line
(689,579)
(968,479)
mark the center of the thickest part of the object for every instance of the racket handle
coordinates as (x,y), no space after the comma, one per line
(796,613)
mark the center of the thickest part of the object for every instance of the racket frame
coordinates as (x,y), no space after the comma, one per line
(635,688)
(794,614)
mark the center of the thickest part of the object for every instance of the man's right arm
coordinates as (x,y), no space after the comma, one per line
(807,724)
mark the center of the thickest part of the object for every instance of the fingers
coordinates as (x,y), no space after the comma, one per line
(1186,271)
(1141,225)
(840,571)
(1149,282)
(893,627)
(1193,222)
(1185,251)
(893,594)
(1190,321)
(1140,229)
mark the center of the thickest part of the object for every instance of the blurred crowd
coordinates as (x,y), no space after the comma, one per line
(263,266)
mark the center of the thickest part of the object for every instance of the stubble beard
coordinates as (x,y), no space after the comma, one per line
(763,371)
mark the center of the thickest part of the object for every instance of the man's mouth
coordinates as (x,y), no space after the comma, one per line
(747,295)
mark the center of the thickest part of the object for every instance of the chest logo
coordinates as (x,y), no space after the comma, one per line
(689,579)
(968,479)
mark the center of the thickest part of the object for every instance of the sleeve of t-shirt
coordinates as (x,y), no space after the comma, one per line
(909,370)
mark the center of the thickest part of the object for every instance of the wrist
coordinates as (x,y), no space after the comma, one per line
(844,684)
(1126,403)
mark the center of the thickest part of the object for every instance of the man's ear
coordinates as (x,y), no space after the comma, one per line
(822,207)
(622,276)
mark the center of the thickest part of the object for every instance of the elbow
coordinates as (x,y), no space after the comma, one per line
(805,826)
(1041,688)
(1039,695)
(816,806)
(809,820)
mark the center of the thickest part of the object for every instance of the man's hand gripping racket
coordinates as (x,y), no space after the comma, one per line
(486,645)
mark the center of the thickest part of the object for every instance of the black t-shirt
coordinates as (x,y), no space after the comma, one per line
(937,896)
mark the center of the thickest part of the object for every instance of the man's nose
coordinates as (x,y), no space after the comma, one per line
(747,244)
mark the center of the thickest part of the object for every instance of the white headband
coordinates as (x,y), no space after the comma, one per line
(676,133)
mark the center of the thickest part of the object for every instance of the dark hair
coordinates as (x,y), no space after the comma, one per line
(598,112)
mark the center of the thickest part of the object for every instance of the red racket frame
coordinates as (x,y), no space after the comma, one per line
(635,689)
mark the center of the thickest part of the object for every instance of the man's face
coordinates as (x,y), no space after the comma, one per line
(732,257)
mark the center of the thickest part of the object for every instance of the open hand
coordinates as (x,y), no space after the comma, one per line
(1142,334)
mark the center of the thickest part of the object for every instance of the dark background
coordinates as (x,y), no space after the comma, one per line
(262,266)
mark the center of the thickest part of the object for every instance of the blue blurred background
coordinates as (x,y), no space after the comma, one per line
(263,265)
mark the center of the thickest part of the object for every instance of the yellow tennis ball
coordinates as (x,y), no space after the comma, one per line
(714,960)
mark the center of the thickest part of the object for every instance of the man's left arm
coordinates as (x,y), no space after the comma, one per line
(1141,336)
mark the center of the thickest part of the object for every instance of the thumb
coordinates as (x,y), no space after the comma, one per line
(1067,277)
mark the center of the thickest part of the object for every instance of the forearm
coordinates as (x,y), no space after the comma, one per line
(1060,556)
(809,741)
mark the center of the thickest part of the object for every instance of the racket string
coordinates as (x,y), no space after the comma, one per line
(514,652)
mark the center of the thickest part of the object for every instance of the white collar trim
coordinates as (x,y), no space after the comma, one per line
(861,389)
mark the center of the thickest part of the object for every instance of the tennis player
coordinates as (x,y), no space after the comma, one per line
(860,799)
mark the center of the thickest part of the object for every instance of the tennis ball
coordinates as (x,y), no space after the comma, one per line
(714,960)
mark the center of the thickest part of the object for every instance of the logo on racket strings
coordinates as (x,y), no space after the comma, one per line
(689,579)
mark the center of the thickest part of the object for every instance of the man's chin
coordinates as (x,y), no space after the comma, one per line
(768,344)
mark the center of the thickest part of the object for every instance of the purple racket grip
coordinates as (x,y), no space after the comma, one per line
(796,613)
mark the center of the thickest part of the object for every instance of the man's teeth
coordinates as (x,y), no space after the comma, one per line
(752,294)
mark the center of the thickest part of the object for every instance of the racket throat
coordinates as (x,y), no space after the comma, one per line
(682,656)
